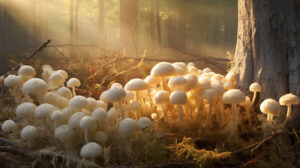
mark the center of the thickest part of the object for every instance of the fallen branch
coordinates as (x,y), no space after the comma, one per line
(259,143)
(35,52)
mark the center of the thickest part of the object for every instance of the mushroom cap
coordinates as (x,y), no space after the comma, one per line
(73,82)
(115,94)
(163,69)
(288,99)
(193,70)
(177,82)
(204,82)
(161,96)
(233,96)
(101,104)
(56,79)
(191,81)
(178,97)
(151,80)
(91,150)
(228,85)
(64,133)
(78,102)
(56,115)
(47,71)
(209,93)
(270,106)
(101,137)
(255,87)
(136,84)
(135,105)
(29,133)
(67,112)
(56,100)
(181,65)
(144,122)
(116,85)
(127,126)
(8,126)
(25,110)
(180,68)
(218,77)
(207,70)
(111,114)
(99,114)
(44,110)
(63,73)
(191,64)
(35,86)
(103,96)
(64,92)
(26,70)
(231,76)
(217,86)
(12,81)
(92,103)
(74,120)
(87,122)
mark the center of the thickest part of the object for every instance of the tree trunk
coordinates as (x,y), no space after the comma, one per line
(71,24)
(76,20)
(158,22)
(101,22)
(268,48)
(128,26)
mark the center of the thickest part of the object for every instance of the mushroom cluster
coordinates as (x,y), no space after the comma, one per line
(174,95)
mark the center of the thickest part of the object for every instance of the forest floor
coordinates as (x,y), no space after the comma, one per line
(248,149)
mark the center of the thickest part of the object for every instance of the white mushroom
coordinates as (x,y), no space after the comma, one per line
(163,70)
(73,83)
(9,126)
(30,135)
(36,87)
(178,98)
(88,124)
(289,100)
(209,94)
(116,94)
(255,87)
(270,107)
(91,150)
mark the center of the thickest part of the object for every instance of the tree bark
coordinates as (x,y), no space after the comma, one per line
(268,48)
(128,26)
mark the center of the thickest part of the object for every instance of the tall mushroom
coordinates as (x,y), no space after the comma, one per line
(288,100)
(14,82)
(91,150)
(73,83)
(163,70)
(88,124)
(209,94)
(233,97)
(178,98)
(161,97)
(116,94)
(136,85)
(255,87)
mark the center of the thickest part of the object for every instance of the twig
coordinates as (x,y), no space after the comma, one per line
(259,143)
(35,52)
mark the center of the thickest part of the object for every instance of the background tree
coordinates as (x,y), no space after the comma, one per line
(268,48)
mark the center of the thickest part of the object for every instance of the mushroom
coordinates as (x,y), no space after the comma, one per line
(162,97)
(163,70)
(255,87)
(126,128)
(135,106)
(26,110)
(14,82)
(178,98)
(56,80)
(64,92)
(288,100)
(78,102)
(101,104)
(92,103)
(43,113)
(73,83)
(30,134)
(248,105)
(47,71)
(36,87)
(65,135)
(26,72)
(103,97)
(233,97)
(88,124)
(9,126)
(116,94)
(91,150)
(99,114)
(177,83)
(271,108)
(209,94)
(56,100)
(144,123)
(57,116)
(136,85)
(101,137)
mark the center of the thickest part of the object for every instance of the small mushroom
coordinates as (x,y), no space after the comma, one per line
(178,98)
(91,150)
(271,108)
(255,87)
(289,100)
(73,83)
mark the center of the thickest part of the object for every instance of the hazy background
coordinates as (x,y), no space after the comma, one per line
(167,28)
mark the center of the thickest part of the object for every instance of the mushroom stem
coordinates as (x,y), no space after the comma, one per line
(40,99)
(86,135)
(27,98)
(180,111)
(234,116)
(121,109)
(270,117)
(73,90)
(165,113)
(254,97)
(164,82)
(289,112)
(137,96)
(210,104)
